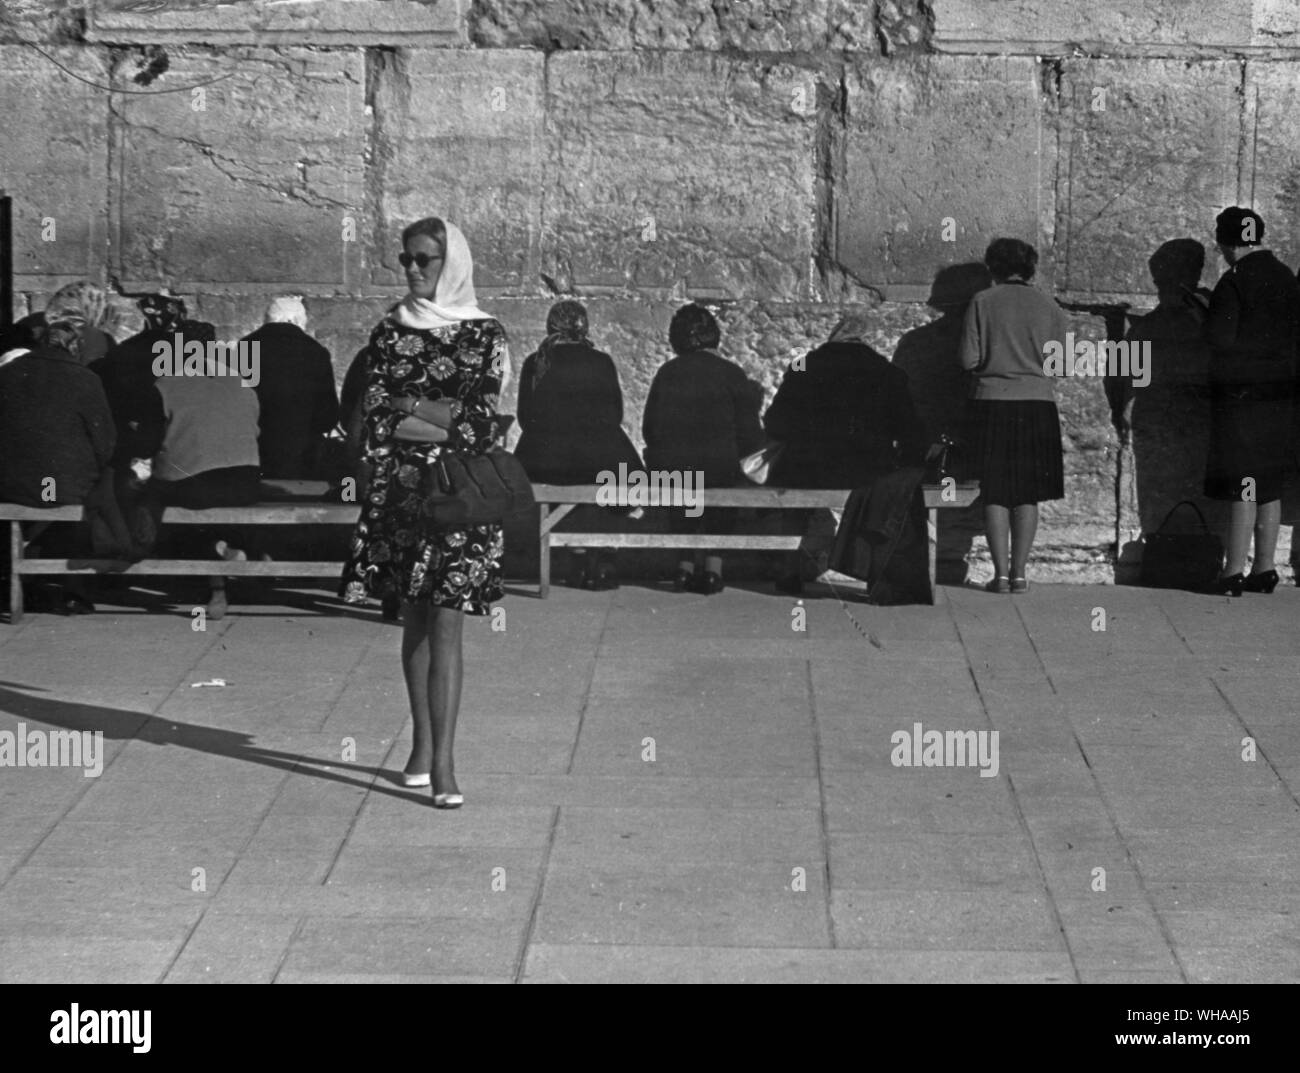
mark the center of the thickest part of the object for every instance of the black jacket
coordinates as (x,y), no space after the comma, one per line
(702,414)
(572,420)
(1253,323)
(54,422)
(126,372)
(840,417)
(298,400)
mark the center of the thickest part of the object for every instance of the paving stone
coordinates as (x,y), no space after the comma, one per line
(420,947)
(931,920)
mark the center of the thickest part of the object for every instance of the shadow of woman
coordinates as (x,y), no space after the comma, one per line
(120,724)
(930,355)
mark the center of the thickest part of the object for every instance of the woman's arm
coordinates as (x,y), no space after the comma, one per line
(474,427)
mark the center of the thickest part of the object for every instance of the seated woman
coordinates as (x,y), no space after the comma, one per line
(702,417)
(571,414)
(56,430)
(845,416)
(208,456)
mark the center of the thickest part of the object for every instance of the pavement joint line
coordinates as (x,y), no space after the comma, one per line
(821,795)
(1020,812)
(1165,934)
(1259,748)
(531,923)
(76,800)
(288,948)
(586,692)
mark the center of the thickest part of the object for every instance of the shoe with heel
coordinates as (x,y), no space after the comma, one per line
(1265,582)
(1231,585)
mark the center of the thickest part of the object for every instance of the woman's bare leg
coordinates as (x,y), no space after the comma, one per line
(1268,519)
(1024,526)
(1241,527)
(446,672)
(997,524)
(415,668)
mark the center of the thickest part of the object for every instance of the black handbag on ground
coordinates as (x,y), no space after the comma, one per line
(469,490)
(1189,561)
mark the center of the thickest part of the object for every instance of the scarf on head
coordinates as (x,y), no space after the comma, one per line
(70,312)
(566,323)
(453,299)
(162,312)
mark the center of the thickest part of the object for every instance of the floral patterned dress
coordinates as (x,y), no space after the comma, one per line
(394,550)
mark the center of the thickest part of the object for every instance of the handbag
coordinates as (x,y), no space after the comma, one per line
(469,490)
(758,466)
(1189,561)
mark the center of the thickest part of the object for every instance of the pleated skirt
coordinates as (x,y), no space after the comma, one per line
(1015,451)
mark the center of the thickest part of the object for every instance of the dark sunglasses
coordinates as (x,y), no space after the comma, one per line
(421,259)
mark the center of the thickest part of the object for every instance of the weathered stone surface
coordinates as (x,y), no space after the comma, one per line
(722,152)
(976,25)
(255,187)
(904,25)
(38,20)
(1277,23)
(460,136)
(752,26)
(935,144)
(55,161)
(1157,163)
(268,22)
(1273,94)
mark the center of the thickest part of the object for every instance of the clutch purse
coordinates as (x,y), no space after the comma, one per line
(1189,561)
(758,466)
(469,490)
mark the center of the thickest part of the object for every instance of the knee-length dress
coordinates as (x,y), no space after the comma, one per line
(394,550)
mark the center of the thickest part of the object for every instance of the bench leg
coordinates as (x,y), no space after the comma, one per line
(544,553)
(15,578)
(932,539)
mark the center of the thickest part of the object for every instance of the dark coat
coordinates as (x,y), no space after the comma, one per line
(702,414)
(840,417)
(1253,323)
(54,422)
(126,372)
(297,398)
(572,420)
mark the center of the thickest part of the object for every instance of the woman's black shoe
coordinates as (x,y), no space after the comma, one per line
(683,581)
(1229,586)
(790,585)
(707,584)
(1265,582)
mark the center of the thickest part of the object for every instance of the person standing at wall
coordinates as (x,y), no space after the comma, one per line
(1252,326)
(1015,429)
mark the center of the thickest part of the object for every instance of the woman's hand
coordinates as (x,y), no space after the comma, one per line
(439,412)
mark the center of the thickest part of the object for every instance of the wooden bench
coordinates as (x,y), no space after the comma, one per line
(287,503)
(557,501)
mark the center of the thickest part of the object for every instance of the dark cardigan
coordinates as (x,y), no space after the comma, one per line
(702,414)
(297,398)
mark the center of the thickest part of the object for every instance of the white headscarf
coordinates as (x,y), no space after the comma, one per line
(287,309)
(453,298)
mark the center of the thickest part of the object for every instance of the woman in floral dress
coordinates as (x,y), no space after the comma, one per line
(436,369)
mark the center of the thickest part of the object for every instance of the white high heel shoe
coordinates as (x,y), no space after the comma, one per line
(448,800)
(414,781)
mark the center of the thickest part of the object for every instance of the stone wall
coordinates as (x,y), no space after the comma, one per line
(780,159)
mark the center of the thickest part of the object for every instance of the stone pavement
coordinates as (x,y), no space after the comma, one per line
(769,838)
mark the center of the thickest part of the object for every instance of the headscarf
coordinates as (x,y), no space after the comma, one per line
(162,312)
(692,328)
(70,312)
(287,309)
(566,323)
(853,327)
(1234,224)
(453,299)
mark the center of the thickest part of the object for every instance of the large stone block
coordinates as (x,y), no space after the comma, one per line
(753,25)
(940,155)
(1057,25)
(1277,24)
(258,186)
(55,160)
(681,170)
(273,22)
(1149,153)
(460,135)
(1273,96)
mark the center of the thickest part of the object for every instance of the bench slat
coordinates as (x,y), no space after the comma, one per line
(963,495)
(181,567)
(773,542)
